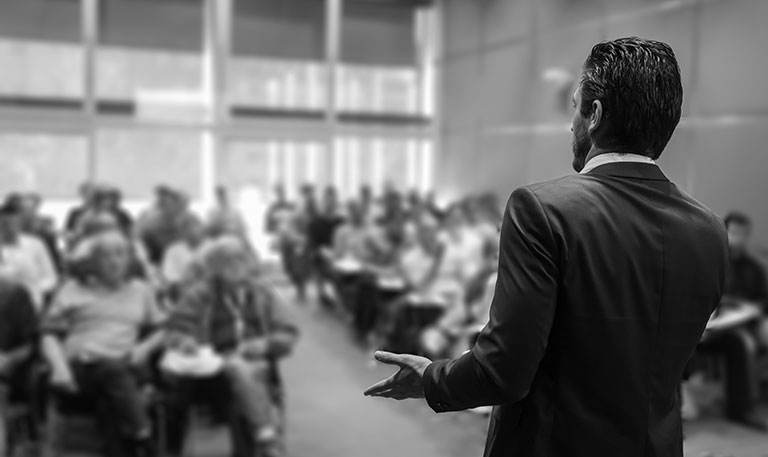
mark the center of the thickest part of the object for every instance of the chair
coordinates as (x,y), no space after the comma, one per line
(76,425)
(23,416)
(21,427)
(205,401)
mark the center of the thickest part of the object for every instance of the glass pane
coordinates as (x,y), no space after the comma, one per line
(149,57)
(37,36)
(381,90)
(277,55)
(261,164)
(138,160)
(53,165)
(273,83)
(404,163)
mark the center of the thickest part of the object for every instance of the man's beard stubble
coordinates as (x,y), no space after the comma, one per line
(581,145)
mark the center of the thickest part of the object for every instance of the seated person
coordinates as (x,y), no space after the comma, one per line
(179,261)
(76,258)
(457,329)
(464,244)
(92,338)
(738,326)
(24,258)
(239,317)
(18,332)
(352,240)
(423,268)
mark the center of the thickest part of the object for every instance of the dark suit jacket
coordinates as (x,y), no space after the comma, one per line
(606,282)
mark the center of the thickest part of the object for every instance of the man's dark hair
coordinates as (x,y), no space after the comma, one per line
(737,218)
(638,83)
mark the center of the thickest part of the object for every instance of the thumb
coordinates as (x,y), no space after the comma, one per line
(401,360)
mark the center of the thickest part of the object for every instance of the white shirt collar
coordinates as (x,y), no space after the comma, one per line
(612,157)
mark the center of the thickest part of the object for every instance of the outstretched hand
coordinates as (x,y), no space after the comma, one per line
(406,383)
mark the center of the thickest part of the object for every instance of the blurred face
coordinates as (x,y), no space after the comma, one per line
(355,214)
(330,202)
(428,237)
(86,191)
(111,261)
(166,202)
(366,194)
(280,193)
(195,233)
(102,202)
(738,237)
(472,212)
(456,219)
(230,268)
(10,225)
(581,141)
(30,204)
(221,196)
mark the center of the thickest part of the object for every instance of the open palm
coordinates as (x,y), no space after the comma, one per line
(406,383)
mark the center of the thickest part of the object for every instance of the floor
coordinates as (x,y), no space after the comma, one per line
(329,417)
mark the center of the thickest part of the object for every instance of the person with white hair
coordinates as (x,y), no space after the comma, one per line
(237,316)
(92,337)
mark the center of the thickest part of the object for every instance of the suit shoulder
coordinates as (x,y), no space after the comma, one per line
(553,192)
(711,216)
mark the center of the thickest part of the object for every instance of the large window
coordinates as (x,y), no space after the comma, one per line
(192,93)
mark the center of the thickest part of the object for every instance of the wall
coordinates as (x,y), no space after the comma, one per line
(507,68)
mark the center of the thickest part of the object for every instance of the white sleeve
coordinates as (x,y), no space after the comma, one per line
(46,272)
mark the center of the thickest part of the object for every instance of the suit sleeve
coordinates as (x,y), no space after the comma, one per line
(503,363)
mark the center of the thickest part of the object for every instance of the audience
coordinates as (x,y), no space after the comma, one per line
(92,338)
(104,200)
(385,259)
(73,216)
(287,224)
(18,333)
(224,218)
(239,317)
(24,258)
(163,223)
(33,223)
(736,330)
(352,239)
(180,258)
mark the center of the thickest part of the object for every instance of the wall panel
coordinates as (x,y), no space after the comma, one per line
(733,69)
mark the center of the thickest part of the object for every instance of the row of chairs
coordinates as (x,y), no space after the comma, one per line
(43,422)
(367,297)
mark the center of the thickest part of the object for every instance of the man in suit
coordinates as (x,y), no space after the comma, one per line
(606,281)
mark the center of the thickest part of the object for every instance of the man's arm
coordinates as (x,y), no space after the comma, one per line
(503,363)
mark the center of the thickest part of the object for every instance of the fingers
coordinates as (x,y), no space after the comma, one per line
(395,394)
(381,386)
(401,360)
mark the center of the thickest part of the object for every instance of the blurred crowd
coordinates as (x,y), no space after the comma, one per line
(118,316)
(408,274)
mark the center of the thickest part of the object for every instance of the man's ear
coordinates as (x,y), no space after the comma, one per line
(596,117)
